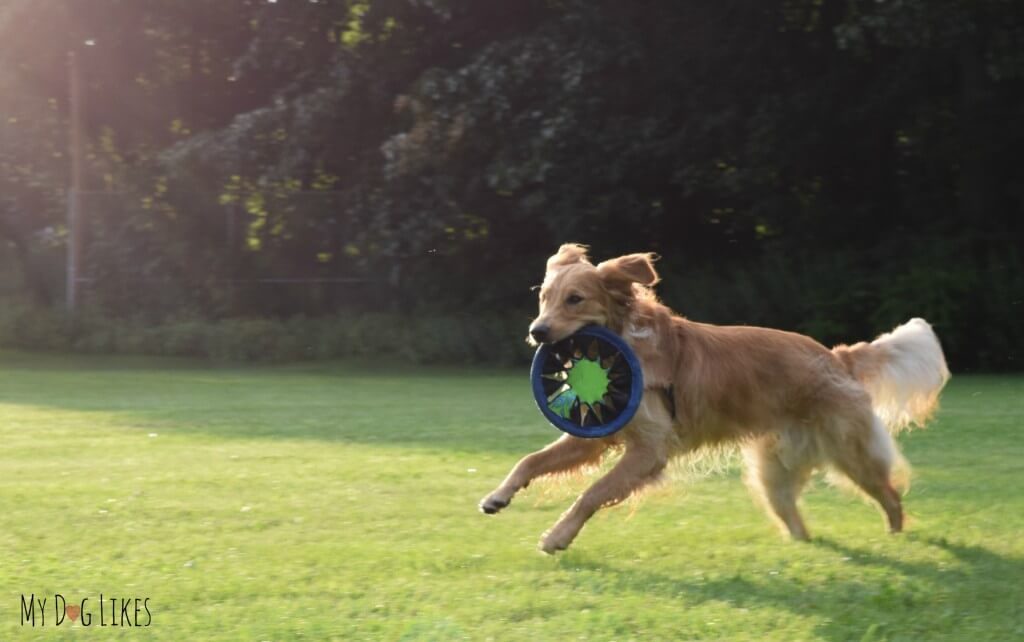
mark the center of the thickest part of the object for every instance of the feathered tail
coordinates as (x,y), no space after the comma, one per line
(903,371)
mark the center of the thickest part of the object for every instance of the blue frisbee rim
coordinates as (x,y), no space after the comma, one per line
(635,393)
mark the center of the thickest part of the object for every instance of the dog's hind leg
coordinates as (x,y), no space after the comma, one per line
(565,454)
(777,480)
(865,452)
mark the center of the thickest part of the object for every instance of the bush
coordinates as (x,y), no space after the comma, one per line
(974,302)
(412,339)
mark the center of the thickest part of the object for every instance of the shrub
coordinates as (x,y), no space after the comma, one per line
(412,339)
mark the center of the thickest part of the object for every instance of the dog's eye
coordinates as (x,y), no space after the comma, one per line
(574,299)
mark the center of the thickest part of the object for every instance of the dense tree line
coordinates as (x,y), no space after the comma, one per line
(828,167)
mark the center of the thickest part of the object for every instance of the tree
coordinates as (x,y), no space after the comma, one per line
(826,167)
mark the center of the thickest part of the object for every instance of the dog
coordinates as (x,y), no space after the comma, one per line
(791,405)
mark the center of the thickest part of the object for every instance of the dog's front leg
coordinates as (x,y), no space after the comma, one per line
(563,455)
(640,464)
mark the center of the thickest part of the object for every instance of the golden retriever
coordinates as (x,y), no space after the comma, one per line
(791,404)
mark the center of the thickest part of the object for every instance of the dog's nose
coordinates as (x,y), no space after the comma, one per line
(540,333)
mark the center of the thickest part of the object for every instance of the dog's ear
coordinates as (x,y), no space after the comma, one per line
(568,253)
(626,270)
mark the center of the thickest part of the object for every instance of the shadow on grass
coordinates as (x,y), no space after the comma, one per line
(451,409)
(979,592)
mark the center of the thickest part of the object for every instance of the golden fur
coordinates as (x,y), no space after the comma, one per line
(792,404)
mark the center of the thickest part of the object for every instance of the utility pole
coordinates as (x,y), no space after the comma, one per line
(75,193)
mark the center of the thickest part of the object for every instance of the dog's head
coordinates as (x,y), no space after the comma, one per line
(576,292)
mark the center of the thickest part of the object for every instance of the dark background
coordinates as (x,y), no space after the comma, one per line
(318,179)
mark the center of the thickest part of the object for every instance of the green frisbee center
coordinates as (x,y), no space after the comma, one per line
(588,380)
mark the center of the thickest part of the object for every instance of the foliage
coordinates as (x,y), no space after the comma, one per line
(492,340)
(788,292)
(833,165)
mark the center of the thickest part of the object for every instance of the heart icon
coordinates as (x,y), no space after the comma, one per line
(73,611)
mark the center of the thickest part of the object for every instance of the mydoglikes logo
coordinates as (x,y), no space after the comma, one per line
(105,611)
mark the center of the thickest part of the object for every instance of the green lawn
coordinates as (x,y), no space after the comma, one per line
(332,502)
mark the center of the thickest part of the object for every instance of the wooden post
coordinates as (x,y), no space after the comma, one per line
(74,248)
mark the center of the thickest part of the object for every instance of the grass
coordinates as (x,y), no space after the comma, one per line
(339,502)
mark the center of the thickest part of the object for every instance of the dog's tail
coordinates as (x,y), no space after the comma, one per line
(903,371)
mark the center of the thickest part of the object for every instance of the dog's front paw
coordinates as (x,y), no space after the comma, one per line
(492,504)
(556,539)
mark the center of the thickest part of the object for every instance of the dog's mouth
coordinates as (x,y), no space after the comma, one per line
(546,341)
(549,338)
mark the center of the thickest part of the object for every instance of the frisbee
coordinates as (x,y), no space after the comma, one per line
(588,384)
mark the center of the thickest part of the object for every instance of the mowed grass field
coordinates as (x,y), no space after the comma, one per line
(339,502)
